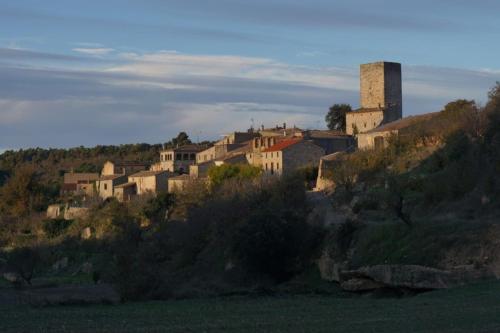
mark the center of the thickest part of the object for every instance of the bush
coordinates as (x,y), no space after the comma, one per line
(54,228)
(219,174)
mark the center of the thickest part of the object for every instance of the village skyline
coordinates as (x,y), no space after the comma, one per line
(84,74)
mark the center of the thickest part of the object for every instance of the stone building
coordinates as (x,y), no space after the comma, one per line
(177,159)
(330,141)
(125,192)
(107,183)
(79,183)
(178,183)
(150,181)
(122,167)
(228,144)
(289,155)
(381,98)
(377,138)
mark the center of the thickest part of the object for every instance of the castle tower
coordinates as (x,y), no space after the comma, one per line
(381,98)
(380,87)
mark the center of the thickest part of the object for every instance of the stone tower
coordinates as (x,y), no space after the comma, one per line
(380,86)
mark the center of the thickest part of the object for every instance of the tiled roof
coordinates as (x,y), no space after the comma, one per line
(282,145)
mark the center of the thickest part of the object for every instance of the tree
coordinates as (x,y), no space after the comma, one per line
(219,174)
(335,118)
(181,139)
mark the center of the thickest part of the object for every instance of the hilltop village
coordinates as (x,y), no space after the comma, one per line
(276,151)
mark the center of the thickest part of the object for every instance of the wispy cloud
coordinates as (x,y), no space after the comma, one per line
(149,97)
(101,51)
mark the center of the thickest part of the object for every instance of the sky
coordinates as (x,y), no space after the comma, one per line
(93,72)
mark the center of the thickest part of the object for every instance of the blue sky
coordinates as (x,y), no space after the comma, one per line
(107,72)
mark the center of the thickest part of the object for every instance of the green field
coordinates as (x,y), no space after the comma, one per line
(474,308)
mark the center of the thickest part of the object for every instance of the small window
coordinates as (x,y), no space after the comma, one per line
(365,125)
(277,166)
(178,157)
(105,186)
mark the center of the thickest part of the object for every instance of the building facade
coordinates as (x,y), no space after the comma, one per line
(381,98)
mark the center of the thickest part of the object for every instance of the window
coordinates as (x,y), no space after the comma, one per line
(272,168)
(266,166)
(192,156)
(178,157)
(105,187)
(277,166)
(365,125)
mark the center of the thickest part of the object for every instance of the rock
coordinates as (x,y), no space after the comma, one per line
(413,276)
(72,295)
(11,277)
(329,269)
(60,264)
(86,233)
(360,284)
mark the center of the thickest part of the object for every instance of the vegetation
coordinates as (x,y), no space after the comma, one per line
(335,118)
(240,172)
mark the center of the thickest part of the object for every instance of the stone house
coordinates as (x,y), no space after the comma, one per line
(228,144)
(177,159)
(79,183)
(380,97)
(150,181)
(330,141)
(125,192)
(178,183)
(377,138)
(289,155)
(122,168)
(107,183)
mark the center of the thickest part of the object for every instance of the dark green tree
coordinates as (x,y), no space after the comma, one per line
(181,139)
(335,118)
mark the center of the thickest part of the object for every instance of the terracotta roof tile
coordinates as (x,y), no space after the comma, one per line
(282,145)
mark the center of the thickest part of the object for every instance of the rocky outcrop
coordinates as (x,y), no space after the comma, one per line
(409,277)
(71,294)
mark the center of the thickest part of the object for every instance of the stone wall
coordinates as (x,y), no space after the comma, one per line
(364,121)
(302,154)
(367,140)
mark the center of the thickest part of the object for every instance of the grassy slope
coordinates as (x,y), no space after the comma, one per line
(474,308)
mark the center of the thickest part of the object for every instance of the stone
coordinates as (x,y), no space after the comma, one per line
(86,233)
(413,276)
(360,284)
(72,295)
(11,277)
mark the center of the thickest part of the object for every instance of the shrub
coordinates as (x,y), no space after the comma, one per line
(55,227)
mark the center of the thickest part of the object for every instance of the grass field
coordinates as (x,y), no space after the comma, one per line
(474,308)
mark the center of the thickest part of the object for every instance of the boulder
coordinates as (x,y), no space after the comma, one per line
(412,277)
(86,233)
(71,294)
(360,284)
(11,277)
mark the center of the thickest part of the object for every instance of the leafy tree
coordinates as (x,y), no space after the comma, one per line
(181,139)
(335,118)
(219,174)
(21,193)
(24,262)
